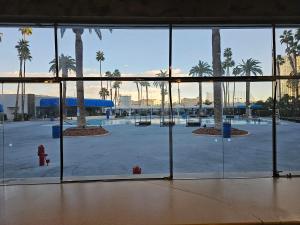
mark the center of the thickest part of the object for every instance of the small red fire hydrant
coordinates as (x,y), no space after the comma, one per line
(136,170)
(42,155)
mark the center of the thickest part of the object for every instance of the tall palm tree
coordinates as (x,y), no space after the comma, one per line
(227,64)
(23,55)
(65,64)
(21,47)
(146,84)
(292,42)
(279,61)
(137,83)
(248,67)
(103,93)
(78,31)
(200,70)
(287,38)
(236,71)
(100,58)
(25,31)
(163,91)
(178,92)
(217,71)
(109,74)
(116,86)
(116,74)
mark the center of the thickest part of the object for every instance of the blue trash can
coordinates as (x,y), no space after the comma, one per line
(107,114)
(226,130)
(56,131)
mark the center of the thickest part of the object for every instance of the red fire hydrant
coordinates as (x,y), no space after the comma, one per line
(42,155)
(136,170)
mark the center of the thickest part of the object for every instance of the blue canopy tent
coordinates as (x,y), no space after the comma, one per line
(252,106)
(72,102)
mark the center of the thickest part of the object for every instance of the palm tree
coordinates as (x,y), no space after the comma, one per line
(287,38)
(248,67)
(116,86)
(227,64)
(21,47)
(163,91)
(109,74)
(23,55)
(146,84)
(200,70)
(279,61)
(25,31)
(137,83)
(65,64)
(116,74)
(1,35)
(292,50)
(100,58)
(236,71)
(103,93)
(178,92)
(217,71)
(78,31)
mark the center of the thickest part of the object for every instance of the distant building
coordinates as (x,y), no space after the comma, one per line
(39,106)
(189,101)
(125,101)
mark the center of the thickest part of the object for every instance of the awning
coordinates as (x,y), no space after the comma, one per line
(72,102)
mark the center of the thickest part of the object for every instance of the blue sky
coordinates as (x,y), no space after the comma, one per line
(141,52)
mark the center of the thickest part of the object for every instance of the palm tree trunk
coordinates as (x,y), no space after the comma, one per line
(216,53)
(224,94)
(64,92)
(23,91)
(110,89)
(141,95)
(115,100)
(233,97)
(200,100)
(138,89)
(101,75)
(279,83)
(163,102)
(81,120)
(18,89)
(178,92)
(147,95)
(248,98)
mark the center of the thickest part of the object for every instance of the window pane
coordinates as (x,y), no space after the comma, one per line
(123,130)
(198,148)
(27,130)
(288,114)
(134,51)
(34,53)
(239,47)
(248,149)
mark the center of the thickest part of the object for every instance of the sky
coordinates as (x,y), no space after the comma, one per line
(138,52)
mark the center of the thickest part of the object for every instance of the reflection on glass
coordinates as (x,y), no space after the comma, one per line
(126,127)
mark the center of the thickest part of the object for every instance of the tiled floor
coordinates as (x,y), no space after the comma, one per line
(152,202)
